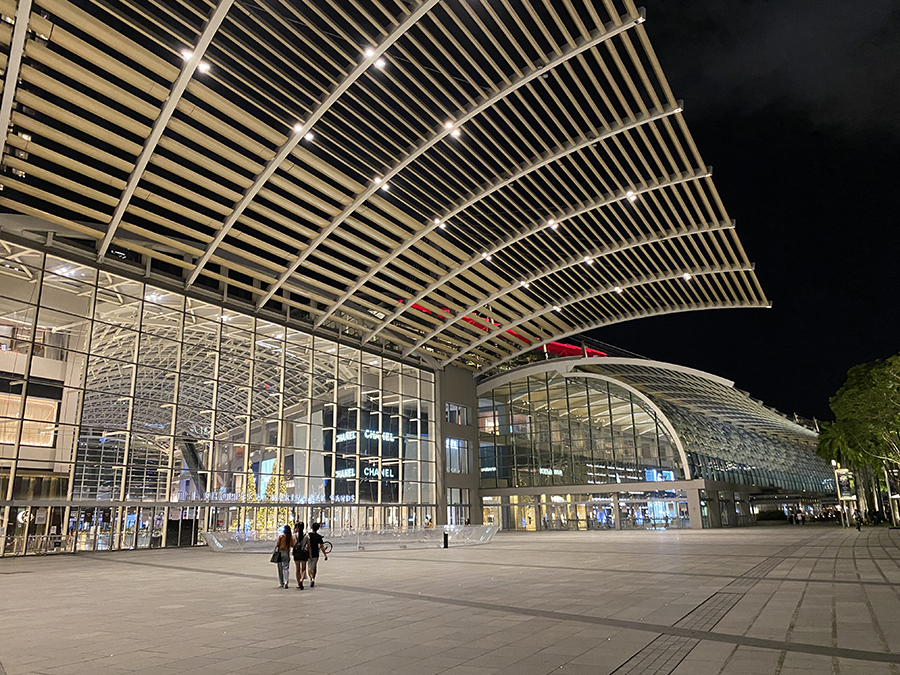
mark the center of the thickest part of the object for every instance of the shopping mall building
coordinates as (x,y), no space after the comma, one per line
(271,263)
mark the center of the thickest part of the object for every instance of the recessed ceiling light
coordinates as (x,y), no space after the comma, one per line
(380,63)
(448,125)
(203,67)
(370,53)
(632,198)
(618,289)
(437,221)
(298,128)
(186,54)
(377,180)
(385,187)
(309,136)
(443,225)
(555,308)
(687,277)
(455,133)
(525,284)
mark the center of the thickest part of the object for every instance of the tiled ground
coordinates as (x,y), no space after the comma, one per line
(780,600)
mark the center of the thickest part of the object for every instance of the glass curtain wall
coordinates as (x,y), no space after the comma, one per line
(728,453)
(112,390)
(552,430)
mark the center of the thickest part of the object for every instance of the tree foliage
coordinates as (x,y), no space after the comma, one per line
(867,415)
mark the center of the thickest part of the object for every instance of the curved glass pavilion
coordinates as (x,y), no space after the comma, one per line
(566,435)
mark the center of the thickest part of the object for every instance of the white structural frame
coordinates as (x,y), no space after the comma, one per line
(582,46)
(190,66)
(564,265)
(631,316)
(14,64)
(488,190)
(539,226)
(304,128)
(581,297)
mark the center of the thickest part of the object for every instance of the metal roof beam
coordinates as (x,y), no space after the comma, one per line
(566,264)
(581,297)
(216,17)
(301,130)
(13,64)
(488,190)
(534,228)
(611,30)
(631,316)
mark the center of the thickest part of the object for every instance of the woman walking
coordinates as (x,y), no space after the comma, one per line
(301,554)
(283,545)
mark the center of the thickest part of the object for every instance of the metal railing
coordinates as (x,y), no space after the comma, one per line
(358,539)
(39,544)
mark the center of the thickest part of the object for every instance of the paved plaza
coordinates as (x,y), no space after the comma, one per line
(781,600)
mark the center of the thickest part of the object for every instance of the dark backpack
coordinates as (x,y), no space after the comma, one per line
(301,549)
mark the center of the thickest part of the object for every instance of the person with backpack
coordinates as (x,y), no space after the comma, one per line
(283,554)
(301,554)
(316,544)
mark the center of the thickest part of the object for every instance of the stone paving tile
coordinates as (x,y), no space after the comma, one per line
(528,604)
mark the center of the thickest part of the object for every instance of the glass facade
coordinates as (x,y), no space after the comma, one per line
(655,510)
(546,430)
(552,430)
(112,390)
(730,454)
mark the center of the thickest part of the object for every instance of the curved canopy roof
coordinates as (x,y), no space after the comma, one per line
(705,394)
(461,179)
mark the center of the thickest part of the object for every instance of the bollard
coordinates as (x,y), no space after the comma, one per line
(446,540)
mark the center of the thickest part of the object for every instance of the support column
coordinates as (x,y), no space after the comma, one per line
(712,509)
(695,513)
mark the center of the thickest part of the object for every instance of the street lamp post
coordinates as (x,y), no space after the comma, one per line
(837,488)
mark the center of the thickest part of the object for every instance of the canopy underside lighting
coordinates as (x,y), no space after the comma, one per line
(461,180)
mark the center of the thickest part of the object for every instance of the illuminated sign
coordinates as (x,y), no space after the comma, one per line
(345,436)
(654,475)
(846,484)
(550,472)
(368,472)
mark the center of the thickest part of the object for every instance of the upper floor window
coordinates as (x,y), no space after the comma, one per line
(456,413)
(457,455)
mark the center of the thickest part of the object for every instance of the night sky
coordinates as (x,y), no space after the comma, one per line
(796,105)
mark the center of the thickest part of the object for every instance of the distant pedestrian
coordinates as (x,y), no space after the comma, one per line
(316,545)
(301,554)
(857,516)
(283,544)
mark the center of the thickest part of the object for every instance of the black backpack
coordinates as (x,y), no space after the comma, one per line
(301,549)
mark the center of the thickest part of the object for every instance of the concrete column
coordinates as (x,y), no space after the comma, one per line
(712,509)
(694,511)
(457,385)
